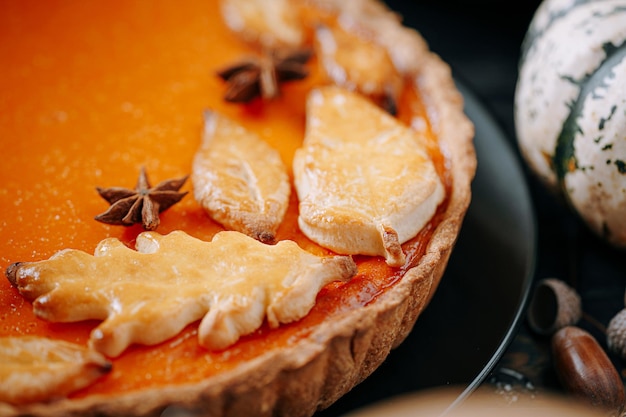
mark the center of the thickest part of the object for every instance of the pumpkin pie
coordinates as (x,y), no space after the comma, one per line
(306,201)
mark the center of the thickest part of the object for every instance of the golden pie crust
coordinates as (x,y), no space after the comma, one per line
(300,376)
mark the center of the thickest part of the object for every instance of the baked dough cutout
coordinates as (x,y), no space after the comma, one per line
(148,295)
(270,24)
(366,183)
(36,368)
(359,65)
(240,180)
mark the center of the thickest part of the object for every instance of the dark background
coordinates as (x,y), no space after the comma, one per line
(481,40)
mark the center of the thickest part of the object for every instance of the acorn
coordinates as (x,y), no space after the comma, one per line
(585,370)
(616,334)
(554,305)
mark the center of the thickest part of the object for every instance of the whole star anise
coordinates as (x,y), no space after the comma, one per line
(260,77)
(141,205)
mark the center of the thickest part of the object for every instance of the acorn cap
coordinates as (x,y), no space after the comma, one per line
(616,334)
(554,305)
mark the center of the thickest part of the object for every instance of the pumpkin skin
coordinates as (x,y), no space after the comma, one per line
(570,108)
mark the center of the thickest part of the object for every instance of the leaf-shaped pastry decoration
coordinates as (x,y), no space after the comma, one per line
(365,181)
(149,295)
(239,179)
(36,368)
(268,24)
(359,65)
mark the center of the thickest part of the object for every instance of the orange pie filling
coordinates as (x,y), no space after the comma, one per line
(96,90)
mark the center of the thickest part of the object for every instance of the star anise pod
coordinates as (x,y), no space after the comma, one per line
(260,77)
(142,204)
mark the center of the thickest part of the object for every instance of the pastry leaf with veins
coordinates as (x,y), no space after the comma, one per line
(148,295)
(38,369)
(365,180)
(239,179)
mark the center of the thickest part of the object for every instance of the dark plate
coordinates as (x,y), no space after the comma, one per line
(480,302)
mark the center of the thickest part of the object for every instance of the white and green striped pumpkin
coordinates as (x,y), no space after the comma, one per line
(570,108)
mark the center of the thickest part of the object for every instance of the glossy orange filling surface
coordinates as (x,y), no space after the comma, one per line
(92,91)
